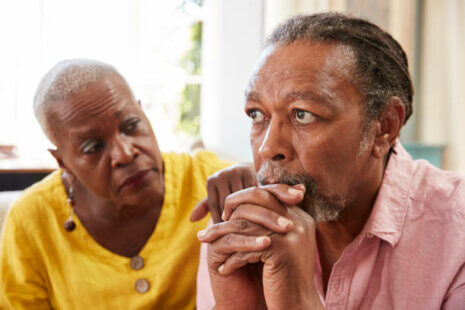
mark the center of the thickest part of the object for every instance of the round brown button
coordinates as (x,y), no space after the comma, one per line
(142,286)
(136,263)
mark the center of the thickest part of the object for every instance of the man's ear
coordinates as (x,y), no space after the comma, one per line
(390,122)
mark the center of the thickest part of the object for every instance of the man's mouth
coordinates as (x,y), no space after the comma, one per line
(136,179)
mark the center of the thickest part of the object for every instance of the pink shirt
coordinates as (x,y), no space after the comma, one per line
(410,253)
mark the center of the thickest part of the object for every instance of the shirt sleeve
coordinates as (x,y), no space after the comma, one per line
(455,298)
(22,285)
(205,299)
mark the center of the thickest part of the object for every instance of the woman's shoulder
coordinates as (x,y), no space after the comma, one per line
(201,162)
(39,197)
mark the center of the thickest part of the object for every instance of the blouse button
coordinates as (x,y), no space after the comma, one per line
(142,286)
(136,263)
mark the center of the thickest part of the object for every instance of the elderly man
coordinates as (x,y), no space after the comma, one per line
(343,218)
(110,229)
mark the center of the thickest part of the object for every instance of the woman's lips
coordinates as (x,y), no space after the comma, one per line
(136,179)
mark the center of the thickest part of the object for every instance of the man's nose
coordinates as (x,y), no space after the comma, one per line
(276,144)
(123,152)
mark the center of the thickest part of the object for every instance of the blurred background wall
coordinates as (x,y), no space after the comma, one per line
(431,32)
(189,62)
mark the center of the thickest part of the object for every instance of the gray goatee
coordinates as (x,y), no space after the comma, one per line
(318,206)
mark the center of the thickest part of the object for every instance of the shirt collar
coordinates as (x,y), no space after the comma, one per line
(387,218)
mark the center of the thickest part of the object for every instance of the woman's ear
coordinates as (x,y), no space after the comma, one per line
(390,122)
(68,175)
(57,155)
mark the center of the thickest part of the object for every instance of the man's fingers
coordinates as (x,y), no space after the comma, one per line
(263,216)
(200,210)
(249,178)
(244,227)
(232,243)
(213,202)
(239,260)
(287,194)
(252,195)
(223,192)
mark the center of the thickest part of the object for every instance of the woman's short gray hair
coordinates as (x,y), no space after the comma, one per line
(66,78)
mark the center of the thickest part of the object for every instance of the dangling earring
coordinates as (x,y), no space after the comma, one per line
(70,225)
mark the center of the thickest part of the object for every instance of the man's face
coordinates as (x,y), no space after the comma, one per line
(307,124)
(104,138)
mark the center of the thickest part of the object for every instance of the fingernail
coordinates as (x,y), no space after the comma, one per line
(201,233)
(294,192)
(223,216)
(221,268)
(284,222)
(260,240)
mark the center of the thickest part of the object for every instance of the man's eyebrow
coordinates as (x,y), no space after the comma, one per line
(307,95)
(252,96)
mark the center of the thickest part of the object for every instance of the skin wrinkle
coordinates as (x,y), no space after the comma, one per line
(84,109)
(381,64)
(98,109)
(342,93)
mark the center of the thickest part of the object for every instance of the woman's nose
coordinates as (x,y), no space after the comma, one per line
(123,152)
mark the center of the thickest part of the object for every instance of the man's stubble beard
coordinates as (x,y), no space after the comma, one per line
(320,208)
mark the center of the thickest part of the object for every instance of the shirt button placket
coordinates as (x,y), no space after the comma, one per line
(136,263)
(142,285)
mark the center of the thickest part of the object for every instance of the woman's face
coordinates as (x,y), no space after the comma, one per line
(105,140)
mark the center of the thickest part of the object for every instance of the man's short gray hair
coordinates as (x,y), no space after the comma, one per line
(66,78)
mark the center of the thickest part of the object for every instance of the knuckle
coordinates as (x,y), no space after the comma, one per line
(266,195)
(211,181)
(228,239)
(241,224)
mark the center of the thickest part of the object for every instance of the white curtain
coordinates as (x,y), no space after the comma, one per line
(442,80)
(143,39)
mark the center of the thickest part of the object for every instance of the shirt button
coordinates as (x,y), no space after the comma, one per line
(369,235)
(142,286)
(136,263)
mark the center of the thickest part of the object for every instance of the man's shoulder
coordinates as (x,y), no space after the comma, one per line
(440,191)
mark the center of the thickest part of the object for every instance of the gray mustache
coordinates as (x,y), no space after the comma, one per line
(272,173)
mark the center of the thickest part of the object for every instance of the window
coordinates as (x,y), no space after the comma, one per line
(155,44)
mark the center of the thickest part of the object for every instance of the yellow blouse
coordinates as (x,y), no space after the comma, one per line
(42,266)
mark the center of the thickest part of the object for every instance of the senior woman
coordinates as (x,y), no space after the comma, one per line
(110,229)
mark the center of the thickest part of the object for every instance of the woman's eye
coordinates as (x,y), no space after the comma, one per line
(132,126)
(304,117)
(256,116)
(91,147)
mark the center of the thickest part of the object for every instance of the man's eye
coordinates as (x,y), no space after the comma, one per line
(304,117)
(91,147)
(256,116)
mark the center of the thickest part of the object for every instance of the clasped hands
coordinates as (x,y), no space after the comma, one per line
(262,255)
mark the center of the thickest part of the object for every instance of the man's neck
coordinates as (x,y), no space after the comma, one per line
(333,237)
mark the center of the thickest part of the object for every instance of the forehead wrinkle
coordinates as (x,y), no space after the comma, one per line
(80,107)
(310,97)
